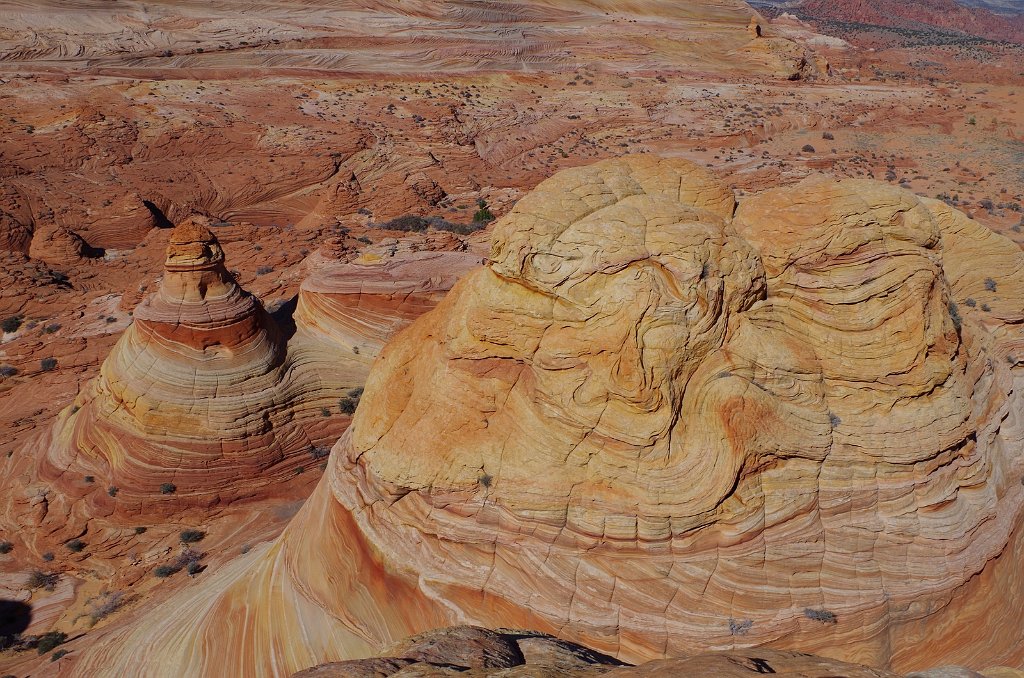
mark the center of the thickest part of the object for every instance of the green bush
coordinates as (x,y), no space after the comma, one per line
(168,488)
(484,214)
(50,640)
(164,571)
(48,364)
(75,545)
(6,547)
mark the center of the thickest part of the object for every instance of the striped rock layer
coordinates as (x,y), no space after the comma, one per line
(203,401)
(657,423)
(190,396)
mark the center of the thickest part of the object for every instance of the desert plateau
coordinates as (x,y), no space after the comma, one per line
(511,338)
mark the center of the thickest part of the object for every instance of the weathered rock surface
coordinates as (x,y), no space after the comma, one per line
(55,244)
(206,399)
(656,424)
(471,651)
(192,396)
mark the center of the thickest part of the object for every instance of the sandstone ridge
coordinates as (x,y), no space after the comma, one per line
(658,422)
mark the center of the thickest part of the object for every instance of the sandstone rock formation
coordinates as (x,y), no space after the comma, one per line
(206,400)
(57,245)
(481,652)
(948,15)
(657,423)
(357,306)
(188,409)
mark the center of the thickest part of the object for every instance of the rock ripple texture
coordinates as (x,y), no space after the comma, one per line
(656,423)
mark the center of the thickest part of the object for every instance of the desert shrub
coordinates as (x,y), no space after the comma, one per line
(483,215)
(348,405)
(264,270)
(990,284)
(823,616)
(164,571)
(112,490)
(58,654)
(140,530)
(37,579)
(408,222)
(7,371)
(191,536)
(808,148)
(48,364)
(6,547)
(104,605)
(50,640)
(186,558)
(970,302)
(324,412)
(168,488)
(834,419)
(194,568)
(51,328)
(828,136)
(90,479)
(16,642)
(48,556)
(954,315)
(740,627)
(75,545)
(319,452)
(11,324)
(246,548)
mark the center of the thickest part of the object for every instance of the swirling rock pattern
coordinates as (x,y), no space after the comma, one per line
(657,423)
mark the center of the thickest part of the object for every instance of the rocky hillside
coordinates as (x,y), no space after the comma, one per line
(942,14)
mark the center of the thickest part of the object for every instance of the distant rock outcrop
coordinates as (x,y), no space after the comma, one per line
(655,423)
(55,244)
(948,15)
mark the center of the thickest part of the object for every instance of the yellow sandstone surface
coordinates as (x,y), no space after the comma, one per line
(658,423)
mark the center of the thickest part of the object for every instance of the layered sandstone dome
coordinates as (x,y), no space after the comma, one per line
(192,395)
(657,423)
(203,401)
